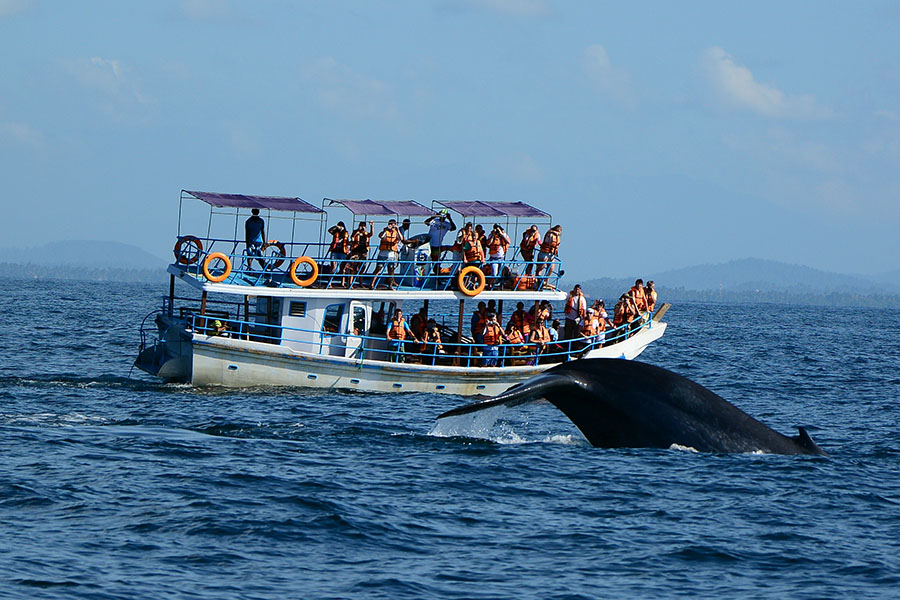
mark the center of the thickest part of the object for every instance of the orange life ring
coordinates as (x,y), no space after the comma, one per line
(224,274)
(281,252)
(461,280)
(183,257)
(309,280)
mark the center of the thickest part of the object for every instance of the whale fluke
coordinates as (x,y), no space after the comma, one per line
(628,404)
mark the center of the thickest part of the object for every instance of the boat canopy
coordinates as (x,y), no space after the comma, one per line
(477,208)
(387,208)
(265,202)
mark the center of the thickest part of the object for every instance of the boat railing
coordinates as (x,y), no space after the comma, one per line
(304,265)
(376,347)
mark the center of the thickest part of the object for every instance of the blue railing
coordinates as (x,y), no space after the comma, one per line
(227,261)
(379,348)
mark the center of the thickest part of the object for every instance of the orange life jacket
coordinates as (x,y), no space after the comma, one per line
(529,242)
(360,242)
(629,313)
(521,322)
(417,324)
(619,314)
(577,303)
(340,241)
(389,240)
(515,337)
(479,325)
(492,334)
(651,300)
(398,329)
(588,328)
(497,244)
(540,334)
(475,253)
(551,242)
(639,298)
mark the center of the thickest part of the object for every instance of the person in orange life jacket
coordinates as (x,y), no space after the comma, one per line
(398,331)
(476,325)
(255,236)
(520,318)
(576,306)
(359,249)
(418,323)
(473,253)
(540,337)
(493,336)
(603,322)
(531,237)
(340,246)
(431,341)
(387,252)
(497,244)
(637,293)
(549,250)
(650,293)
(517,341)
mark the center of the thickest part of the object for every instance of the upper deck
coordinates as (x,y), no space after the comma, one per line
(295,259)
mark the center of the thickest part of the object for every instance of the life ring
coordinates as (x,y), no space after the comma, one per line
(301,260)
(282,253)
(461,280)
(189,255)
(224,274)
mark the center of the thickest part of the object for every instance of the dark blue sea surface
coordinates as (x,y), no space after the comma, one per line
(117,486)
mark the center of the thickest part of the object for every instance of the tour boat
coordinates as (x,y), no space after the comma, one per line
(287,314)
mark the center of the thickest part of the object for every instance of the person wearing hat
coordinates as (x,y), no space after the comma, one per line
(576,307)
(439,225)
(255,236)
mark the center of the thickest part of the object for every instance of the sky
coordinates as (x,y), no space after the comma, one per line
(660,134)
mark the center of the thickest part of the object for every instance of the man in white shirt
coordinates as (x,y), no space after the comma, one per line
(439,225)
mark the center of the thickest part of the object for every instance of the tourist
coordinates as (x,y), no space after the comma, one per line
(431,342)
(476,325)
(439,225)
(398,331)
(531,237)
(650,294)
(255,237)
(359,251)
(492,337)
(497,245)
(540,337)
(576,306)
(387,252)
(339,247)
(521,320)
(549,251)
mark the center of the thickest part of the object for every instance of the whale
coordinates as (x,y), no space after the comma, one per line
(619,403)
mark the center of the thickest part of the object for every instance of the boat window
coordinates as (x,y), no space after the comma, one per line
(333,314)
(359,320)
(298,309)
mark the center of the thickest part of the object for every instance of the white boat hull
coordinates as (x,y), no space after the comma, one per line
(238,363)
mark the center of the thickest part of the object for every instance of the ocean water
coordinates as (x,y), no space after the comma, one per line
(117,486)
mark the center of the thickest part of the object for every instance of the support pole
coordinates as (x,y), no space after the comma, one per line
(459,329)
(171,294)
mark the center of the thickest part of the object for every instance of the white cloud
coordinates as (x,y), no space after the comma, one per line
(342,90)
(604,77)
(735,86)
(107,76)
(520,168)
(515,8)
(11,7)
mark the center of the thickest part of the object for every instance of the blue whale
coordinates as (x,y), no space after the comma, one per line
(628,404)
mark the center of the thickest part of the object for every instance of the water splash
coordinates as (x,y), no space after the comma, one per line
(478,424)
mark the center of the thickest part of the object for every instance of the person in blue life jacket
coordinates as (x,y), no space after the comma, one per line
(255,235)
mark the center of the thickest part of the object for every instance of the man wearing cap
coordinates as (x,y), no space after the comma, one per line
(387,252)
(439,225)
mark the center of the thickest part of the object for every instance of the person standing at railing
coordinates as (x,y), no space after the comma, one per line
(438,226)
(650,293)
(497,245)
(431,342)
(387,252)
(255,236)
(576,307)
(540,337)
(397,332)
(339,248)
(359,250)
(549,251)
(493,335)
(637,293)
(473,252)
(531,237)
(477,323)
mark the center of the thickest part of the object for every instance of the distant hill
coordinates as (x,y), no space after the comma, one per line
(94,254)
(756,280)
(82,260)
